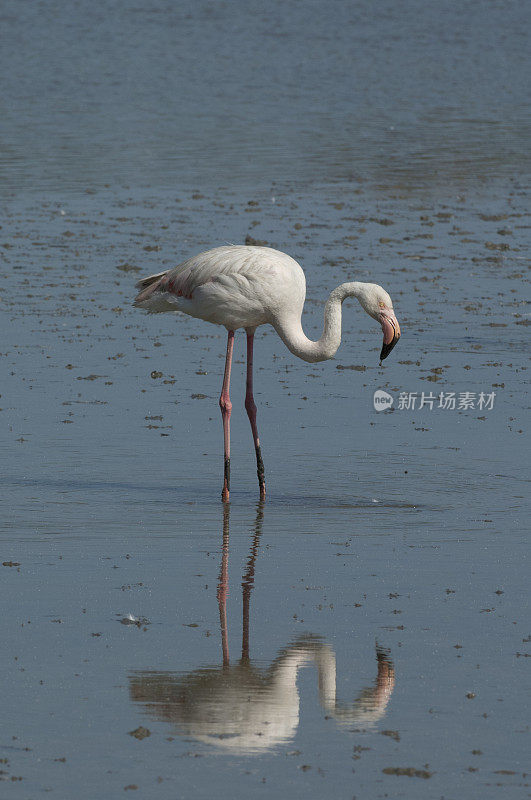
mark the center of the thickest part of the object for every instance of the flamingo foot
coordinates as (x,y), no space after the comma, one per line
(226,482)
(260,468)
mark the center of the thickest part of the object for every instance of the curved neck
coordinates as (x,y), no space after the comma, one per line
(290,328)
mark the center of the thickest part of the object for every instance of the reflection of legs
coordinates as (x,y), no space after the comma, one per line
(251,413)
(226,406)
(248,580)
(223,587)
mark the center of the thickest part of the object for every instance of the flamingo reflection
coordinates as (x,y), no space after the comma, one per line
(242,707)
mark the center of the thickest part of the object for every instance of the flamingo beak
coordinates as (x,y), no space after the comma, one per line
(391,332)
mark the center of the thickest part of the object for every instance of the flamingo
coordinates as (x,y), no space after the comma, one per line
(242,286)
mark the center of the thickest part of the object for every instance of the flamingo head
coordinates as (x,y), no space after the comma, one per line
(378,304)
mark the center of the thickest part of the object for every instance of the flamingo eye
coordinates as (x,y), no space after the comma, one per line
(381,304)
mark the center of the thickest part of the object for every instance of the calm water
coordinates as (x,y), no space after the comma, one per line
(203,92)
(365,632)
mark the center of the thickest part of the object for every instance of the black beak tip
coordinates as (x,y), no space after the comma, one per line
(386,348)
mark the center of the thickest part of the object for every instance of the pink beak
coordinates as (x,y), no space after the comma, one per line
(391,332)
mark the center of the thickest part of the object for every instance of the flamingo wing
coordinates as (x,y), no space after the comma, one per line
(235,276)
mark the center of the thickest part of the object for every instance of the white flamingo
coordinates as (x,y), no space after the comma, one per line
(243,287)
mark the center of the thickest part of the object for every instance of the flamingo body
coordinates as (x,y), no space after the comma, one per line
(235,286)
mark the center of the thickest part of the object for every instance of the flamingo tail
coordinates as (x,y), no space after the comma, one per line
(148,286)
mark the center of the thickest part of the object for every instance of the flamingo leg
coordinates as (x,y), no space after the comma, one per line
(226,407)
(250,407)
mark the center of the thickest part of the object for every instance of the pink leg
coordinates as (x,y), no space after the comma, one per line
(251,413)
(226,407)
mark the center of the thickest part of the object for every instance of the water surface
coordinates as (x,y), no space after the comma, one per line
(364,633)
(163,93)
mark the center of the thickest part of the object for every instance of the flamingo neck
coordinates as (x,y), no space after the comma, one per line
(290,329)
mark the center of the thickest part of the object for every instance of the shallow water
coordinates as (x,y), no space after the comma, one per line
(400,532)
(364,632)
